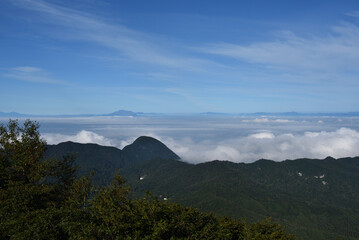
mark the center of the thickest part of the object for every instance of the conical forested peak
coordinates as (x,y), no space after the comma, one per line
(145,140)
(149,147)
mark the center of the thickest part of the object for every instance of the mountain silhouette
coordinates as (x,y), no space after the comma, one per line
(312,198)
(106,160)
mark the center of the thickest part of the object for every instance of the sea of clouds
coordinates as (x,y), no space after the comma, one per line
(204,138)
(343,142)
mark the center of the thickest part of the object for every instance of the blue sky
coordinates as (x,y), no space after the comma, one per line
(87,56)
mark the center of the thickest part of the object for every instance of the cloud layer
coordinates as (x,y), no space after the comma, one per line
(343,142)
(81,137)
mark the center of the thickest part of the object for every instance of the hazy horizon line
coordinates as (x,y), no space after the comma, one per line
(123,112)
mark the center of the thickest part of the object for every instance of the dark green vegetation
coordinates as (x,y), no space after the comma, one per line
(41,198)
(105,160)
(314,199)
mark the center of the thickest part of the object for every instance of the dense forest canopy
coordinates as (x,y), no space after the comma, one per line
(44,199)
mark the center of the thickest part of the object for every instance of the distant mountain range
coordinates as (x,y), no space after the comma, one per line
(126,113)
(123,113)
(13,114)
(315,199)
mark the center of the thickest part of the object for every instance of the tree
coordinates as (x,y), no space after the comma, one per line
(32,189)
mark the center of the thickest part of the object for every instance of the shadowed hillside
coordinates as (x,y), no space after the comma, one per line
(106,160)
(315,199)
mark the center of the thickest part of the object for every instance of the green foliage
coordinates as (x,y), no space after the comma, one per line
(42,199)
(104,160)
(303,204)
(32,190)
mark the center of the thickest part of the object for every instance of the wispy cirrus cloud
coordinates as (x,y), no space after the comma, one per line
(337,51)
(130,44)
(285,72)
(31,74)
(332,56)
(353,14)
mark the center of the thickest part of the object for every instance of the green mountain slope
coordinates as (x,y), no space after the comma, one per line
(106,160)
(315,199)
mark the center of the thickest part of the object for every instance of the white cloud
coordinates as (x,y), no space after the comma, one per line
(31,74)
(283,120)
(256,120)
(353,14)
(81,137)
(198,140)
(336,51)
(223,152)
(27,69)
(129,43)
(266,120)
(343,142)
(262,135)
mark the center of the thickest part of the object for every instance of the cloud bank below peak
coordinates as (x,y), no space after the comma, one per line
(342,142)
(81,137)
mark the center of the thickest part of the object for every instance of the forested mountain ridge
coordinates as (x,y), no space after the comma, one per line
(42,198)
(316,199)
(105,160)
